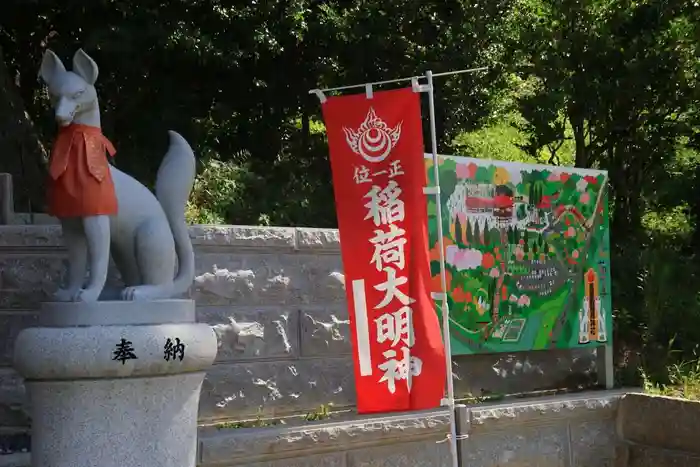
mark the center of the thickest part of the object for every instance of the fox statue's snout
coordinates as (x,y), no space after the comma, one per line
(65,111)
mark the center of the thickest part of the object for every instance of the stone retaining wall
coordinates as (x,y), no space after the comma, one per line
(562,431)
(276,298)
(658,431)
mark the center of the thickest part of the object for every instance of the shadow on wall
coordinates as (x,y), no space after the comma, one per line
(501,374)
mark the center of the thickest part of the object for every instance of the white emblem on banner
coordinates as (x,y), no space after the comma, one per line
(374,140)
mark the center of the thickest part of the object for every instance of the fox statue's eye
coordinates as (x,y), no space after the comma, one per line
(78,94)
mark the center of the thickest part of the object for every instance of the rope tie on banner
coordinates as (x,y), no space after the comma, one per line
(448,437)
(320,94)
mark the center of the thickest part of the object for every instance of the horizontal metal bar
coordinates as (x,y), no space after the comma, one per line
(397,80)
(373,83)
(459,72)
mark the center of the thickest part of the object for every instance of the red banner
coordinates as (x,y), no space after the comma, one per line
(376,152)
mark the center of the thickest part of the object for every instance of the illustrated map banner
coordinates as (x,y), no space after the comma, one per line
(526,255)
(376,152)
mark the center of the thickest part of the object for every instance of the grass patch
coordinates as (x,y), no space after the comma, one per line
(323,412)
(683,381)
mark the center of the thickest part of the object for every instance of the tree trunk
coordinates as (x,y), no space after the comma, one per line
(21,152)
(577,124)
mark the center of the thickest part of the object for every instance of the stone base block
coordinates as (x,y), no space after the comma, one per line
(114,423)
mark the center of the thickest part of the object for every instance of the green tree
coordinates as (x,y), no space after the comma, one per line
(458,231)
(576,56)
(24,155)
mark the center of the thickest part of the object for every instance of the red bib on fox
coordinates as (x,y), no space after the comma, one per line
(80,183)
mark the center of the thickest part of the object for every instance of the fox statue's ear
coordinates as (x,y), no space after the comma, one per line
(85,67)
(50,65)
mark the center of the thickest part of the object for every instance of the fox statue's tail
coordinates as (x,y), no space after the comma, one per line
(173,186)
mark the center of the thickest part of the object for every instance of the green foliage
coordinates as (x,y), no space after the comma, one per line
(218,189)
(233,78)
(322,413)
(504,140)
(683,381)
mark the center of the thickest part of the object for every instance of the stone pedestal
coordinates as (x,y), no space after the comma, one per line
(115,384)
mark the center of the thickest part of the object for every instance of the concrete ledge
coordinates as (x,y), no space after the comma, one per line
(238,236)
(244,236)
(594,405)
(659,421)
(244,446)
(22,459)
(318,239)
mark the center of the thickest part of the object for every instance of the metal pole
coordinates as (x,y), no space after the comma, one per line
(443,278)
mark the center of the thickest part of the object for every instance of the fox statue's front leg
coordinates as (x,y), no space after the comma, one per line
(86,237)
(74,238)
(97,236)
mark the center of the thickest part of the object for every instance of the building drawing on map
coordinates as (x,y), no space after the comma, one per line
(591,316)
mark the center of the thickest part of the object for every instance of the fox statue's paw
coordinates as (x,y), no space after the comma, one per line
(86,295)
(146,292)
(64,295)
(131,294)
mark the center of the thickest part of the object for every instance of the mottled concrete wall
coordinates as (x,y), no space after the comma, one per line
(658,431)
(562,431)
(573,431)
(276,298)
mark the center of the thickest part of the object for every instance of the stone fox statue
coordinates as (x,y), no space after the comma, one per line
(101,207)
